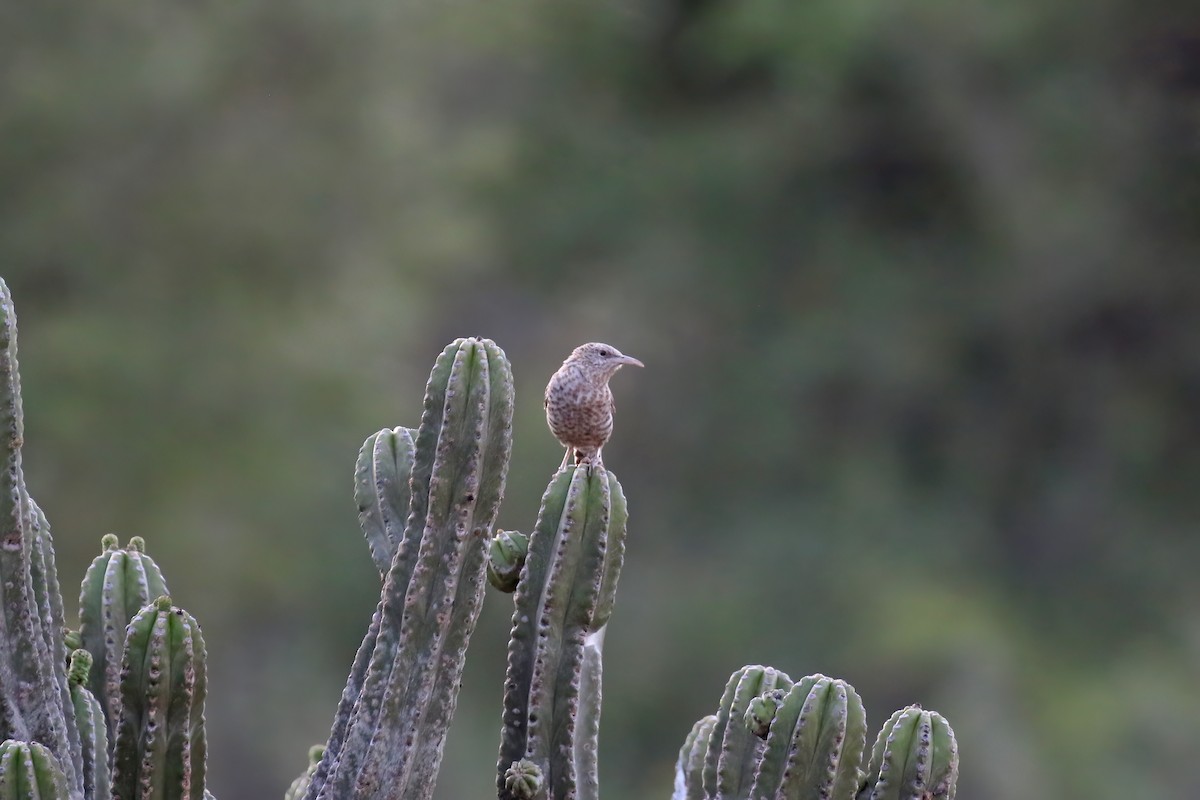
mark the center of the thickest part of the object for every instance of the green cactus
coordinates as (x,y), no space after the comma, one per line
(391,724)
(814,745)
(382,491)
(118,584)
(506,558)
(93,733)
(689,767)
(427,500)
(299,787)
(160,746)
(915,756)
(734,749)
(34,696)
(29,771)
(563,600)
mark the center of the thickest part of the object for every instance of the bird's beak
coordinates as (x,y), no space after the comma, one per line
(631,361)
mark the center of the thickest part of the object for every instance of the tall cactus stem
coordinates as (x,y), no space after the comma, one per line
(33,689)
(552,688)
(160,747)
(391,725)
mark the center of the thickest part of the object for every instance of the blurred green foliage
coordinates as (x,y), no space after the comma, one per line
(915,282)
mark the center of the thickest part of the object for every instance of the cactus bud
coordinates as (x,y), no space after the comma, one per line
(299,786)
(506,556)
(523,780)
(761,711)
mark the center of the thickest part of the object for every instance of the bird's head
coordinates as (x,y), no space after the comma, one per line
(601,359)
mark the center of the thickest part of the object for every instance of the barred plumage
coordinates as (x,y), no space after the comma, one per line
(579,404)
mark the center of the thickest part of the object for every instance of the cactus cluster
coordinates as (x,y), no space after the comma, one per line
(772,739)
(391,724)
(115,710)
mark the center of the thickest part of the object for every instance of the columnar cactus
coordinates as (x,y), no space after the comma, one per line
(29,771)
(34,697)
(562,602)
(815,738)
(93,732)
(391,724)
(915,755)
(427,502)
(160,745)
(117,585)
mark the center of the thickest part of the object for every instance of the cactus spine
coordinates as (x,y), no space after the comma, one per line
(160,746)
(915,756)
(391,724)
(93,731)
(563,599)
(117,585)
(29,771)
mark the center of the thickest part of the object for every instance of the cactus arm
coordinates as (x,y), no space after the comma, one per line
(29,771)
(381,490)
(446,590)
(344,754)
(614,553)
(689,767)
(93,730)
(915,755)
(431,597)
(733,748)
(552,689)
(160,746)
(815,744)
(521,651)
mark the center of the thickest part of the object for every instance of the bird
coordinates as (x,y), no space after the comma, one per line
(579,404)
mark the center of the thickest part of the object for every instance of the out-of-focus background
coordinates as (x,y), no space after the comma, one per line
(916,285)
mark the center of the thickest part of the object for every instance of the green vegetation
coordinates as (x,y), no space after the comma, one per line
(915,286)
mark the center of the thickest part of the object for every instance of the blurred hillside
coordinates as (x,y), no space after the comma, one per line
(915,283)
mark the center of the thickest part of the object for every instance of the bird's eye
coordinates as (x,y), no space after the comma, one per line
(605,353)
